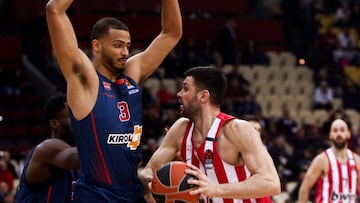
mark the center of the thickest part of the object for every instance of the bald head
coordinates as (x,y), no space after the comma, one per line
(339,123)
(339,133)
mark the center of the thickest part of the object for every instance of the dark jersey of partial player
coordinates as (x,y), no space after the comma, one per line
(108,138)
(58,189)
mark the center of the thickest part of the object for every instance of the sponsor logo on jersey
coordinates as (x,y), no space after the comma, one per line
(119,138)
(133,91)
(132,88)
(107,85)
(132,140)
(342,197)
(129,85)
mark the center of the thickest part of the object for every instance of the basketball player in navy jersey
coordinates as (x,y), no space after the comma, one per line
(215,144)
(46,176)
(104,97)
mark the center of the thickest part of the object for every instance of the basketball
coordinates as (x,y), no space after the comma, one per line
(170,184)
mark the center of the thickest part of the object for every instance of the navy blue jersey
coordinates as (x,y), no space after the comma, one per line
(58,189)
(108,141)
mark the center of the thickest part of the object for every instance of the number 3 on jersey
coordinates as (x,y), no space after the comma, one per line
(124,111)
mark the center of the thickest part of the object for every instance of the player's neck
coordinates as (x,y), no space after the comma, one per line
(107,72)
(205,120)
(340,154)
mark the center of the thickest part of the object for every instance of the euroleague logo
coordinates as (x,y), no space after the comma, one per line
(208,159)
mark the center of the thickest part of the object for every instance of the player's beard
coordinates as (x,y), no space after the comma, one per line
(340,145)
(191,109)
(110,63)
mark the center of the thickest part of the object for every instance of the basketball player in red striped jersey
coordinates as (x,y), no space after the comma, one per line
(335,171)
(215,145)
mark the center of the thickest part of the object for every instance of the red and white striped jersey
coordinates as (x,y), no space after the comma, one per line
(339,184)
(207,159)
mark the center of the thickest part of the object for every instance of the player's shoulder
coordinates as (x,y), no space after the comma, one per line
(356,157)
(50,144)
(51,141)
(182,121)
(320,160)
(237,123)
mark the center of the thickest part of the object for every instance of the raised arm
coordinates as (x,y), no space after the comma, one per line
(63,39)
(142,65)
(312,174)
(82,82)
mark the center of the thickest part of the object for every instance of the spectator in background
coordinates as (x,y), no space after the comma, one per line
(346,50)
(281,154)
(7,157)
(327,42)
(8,197)
(6,175)
(332,77)
(166,98)
(4,188)
(251,106)
(173,66)
(299,26)
(227,43)
(152,124)
(323,96)
(286,125)
(255,121)
(343,15)
(251,55)
(235,94)
(148,150)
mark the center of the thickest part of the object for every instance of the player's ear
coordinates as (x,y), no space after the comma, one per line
(54,124)
(204,95)
(96,45)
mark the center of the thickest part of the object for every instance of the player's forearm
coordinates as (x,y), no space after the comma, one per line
(57,6)
(303,195)
(251,188)
(171,20)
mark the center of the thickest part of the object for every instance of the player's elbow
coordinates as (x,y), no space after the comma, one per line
(178,33)
(54,7)
(175,35)
(51,8)
(274,186)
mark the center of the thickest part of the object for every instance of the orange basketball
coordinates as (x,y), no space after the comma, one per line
(170,184)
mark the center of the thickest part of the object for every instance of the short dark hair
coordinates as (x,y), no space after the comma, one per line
(102,26)
(53,106)
(211,79)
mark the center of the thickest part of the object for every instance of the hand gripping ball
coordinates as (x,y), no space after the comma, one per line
(170,184)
